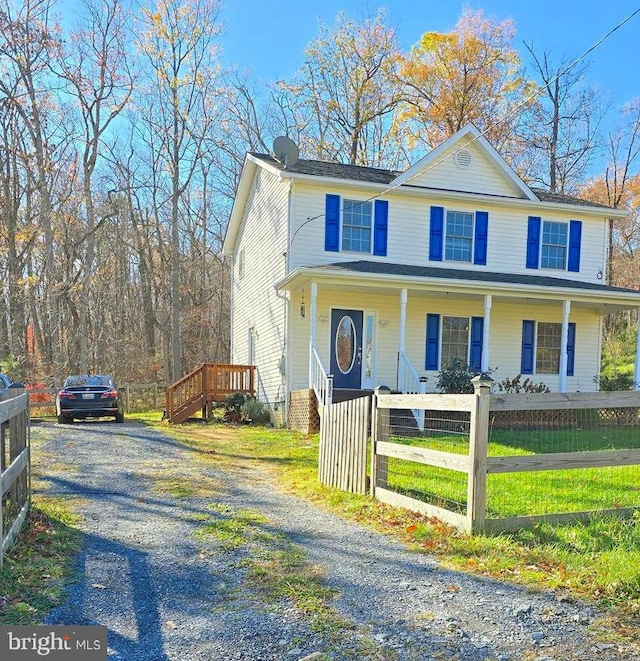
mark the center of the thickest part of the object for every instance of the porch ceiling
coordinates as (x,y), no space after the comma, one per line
(384,278)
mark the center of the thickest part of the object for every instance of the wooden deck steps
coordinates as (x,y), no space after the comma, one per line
(206,384)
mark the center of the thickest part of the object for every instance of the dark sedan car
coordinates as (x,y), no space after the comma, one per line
(89,396)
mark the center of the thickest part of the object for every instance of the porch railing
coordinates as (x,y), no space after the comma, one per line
(409,383)
(321,382)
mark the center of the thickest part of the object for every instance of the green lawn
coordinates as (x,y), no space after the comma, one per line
(532,493)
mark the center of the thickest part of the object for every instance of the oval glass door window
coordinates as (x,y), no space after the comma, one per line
(345,344)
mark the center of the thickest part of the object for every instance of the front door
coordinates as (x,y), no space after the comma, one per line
(346,348)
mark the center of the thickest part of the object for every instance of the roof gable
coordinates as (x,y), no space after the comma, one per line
(466,163)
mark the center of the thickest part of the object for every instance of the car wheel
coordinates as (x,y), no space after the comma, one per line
(119,417)
(64,420)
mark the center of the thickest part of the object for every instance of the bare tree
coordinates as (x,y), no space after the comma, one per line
(562,136)
(179,46)
(345,92)
(97,73)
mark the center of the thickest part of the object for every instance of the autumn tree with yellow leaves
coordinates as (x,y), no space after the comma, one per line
(471,74)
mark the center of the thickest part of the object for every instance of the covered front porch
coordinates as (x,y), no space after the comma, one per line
(359,325)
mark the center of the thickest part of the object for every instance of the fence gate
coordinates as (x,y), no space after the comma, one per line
(344,429)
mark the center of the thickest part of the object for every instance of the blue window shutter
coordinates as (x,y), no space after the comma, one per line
(481,238)
(436,230)
(575,238)
(528,347)
(475,354)
(433,342)
(571,348)
(332,223)
(533,243)
(380,223)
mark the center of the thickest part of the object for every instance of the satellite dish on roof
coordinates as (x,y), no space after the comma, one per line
(285,151)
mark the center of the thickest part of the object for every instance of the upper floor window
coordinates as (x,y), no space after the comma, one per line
(356,226)
(459,241)
(553,244)
(462,238)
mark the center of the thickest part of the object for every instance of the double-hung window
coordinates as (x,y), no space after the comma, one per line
(450,338)
(554,245)
(548,341)
(459,236)
(455,339)
(356,225)
(542,345)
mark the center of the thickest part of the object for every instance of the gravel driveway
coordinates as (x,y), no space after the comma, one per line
(166,592)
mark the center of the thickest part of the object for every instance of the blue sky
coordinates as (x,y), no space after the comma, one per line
(269,36)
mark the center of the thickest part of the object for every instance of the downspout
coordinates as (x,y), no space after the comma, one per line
(286,349)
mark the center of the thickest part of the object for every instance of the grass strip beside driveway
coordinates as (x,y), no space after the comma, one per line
(597,561)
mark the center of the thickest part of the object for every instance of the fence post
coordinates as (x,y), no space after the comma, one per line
(127,399)
(380,432)
(478,450)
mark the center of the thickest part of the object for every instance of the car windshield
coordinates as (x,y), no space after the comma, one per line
(87,380)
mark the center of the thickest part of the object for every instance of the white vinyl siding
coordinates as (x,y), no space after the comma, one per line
(480,177)
(258,313)
(408,233)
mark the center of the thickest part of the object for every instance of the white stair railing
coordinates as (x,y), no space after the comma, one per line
(321,382)
(409,383)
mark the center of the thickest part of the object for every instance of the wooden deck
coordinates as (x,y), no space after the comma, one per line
(209,383)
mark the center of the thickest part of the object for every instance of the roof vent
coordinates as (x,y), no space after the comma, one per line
(463,158)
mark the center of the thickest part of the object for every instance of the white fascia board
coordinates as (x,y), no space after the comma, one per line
(460,286)
(239,204)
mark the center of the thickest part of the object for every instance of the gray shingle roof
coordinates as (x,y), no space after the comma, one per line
(385,177)
(430,272)
(335,170)
(547,196)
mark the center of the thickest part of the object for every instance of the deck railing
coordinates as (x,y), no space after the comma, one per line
(211,382)
(321,382)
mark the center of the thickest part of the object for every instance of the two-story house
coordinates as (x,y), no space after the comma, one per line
(381,278)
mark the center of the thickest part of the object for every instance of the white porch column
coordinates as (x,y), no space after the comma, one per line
(486,333)
(562,381)
(636,371)
(403,319)
(313,295)
(312,313)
